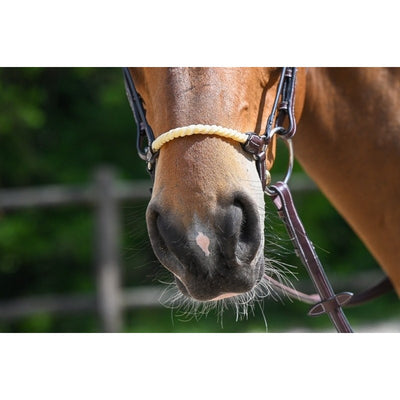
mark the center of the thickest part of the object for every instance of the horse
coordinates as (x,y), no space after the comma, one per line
(206,214)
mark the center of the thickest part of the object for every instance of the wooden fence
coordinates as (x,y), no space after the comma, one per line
(105,195)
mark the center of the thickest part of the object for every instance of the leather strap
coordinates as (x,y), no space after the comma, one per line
(330,302)
(379,289)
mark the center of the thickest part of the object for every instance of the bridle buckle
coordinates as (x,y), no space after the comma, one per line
(255,144)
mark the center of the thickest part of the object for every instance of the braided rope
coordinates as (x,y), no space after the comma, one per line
(198,130)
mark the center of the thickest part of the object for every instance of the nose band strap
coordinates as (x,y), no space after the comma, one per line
(198,130)
(251,142)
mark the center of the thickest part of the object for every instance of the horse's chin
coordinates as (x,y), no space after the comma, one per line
(193,293)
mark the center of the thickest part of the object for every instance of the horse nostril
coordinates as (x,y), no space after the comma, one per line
(248,232)
(245,230)
(161,235)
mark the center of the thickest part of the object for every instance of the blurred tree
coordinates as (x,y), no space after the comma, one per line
(56,126)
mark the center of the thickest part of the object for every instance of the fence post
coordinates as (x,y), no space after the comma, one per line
(107,242)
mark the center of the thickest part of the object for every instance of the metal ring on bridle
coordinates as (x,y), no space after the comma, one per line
(271,192)
(274,131)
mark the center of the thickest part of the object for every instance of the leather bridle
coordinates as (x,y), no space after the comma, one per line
(282,113)
(256,145)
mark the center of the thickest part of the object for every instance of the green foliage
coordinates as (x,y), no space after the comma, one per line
(56,126)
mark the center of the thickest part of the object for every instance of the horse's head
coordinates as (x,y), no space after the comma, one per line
(206,214)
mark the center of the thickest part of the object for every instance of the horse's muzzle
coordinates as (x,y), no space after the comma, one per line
(217,255)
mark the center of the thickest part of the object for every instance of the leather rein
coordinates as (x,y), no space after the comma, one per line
(325,301)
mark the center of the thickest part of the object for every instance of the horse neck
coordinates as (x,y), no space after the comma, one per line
(348,141)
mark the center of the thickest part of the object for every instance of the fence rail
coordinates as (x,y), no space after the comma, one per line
(138,297)
(58,195)
(104,194)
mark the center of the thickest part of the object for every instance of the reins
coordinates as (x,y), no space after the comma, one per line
(148,147)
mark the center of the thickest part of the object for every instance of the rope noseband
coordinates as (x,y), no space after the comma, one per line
(198,130)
